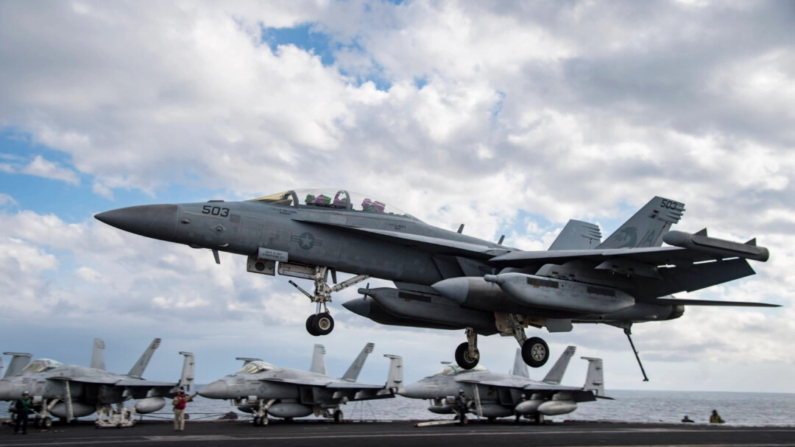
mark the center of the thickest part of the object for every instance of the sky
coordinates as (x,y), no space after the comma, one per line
(509,117)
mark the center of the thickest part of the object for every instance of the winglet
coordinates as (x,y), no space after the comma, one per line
(594,380)
(318,360)
(519,366)
(394,379)
(19,360)
(356,367)
(555,375)
(140,366)
(188,371)
(97,356)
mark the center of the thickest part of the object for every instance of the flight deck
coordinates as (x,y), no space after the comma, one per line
(382,434)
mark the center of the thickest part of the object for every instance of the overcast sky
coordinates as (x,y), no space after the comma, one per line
(510,117)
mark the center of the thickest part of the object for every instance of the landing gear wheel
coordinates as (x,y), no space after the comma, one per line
(463,359)
(535,352)
(310,325)
(338,417)
(46,422)
(257,421)
(323,324)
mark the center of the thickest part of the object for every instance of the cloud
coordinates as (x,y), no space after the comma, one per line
(509,117)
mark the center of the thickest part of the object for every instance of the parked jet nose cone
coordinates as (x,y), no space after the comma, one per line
(5,390)
(414,391)
(216,390)
(359,306)
(155,221)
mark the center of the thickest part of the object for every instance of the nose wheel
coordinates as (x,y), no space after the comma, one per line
(321,323)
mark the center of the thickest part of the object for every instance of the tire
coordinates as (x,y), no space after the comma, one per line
(257,421)
(46,422)
(323,324)
(338,417)
(310,325)
(462,357)
(535,352)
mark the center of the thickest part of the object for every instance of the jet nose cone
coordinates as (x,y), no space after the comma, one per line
(5,390)
(216,390)
(414,391)
(359,306)
(155,221)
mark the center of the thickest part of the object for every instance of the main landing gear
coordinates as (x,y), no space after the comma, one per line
(535,351)
(321,322)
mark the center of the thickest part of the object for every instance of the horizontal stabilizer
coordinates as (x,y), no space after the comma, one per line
(666,301)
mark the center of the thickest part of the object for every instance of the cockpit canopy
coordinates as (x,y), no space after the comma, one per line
(332,199)
(41,365)
(256,366)
(452,370)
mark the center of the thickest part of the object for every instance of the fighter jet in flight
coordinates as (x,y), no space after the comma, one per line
(263,389)
(447,280)
(71,391)
(496,395)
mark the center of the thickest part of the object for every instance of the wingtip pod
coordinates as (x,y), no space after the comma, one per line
(719,247)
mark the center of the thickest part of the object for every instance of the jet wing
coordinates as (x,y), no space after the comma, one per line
(439,245)
(304,381)
(518,383)
(144,383)
(353,386)
(115,382)
(325,383)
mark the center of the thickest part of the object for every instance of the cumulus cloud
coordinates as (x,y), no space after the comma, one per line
(510,118)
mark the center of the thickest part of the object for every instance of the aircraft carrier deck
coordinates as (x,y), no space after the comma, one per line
(383,434)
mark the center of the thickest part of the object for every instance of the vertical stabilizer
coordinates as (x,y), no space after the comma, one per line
(188,371)
(647,227)
(319,360)
(519,366)
(555,375)
(19,360)
(1,365)
(356,367)
(577,235)
(97,356)
(394,380)
(140,366)
(595,378)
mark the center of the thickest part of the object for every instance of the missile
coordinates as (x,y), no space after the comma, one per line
(719,247)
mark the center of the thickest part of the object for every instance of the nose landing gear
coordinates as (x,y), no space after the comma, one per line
(321,322)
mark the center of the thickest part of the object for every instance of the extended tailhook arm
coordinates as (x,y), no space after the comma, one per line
(628,331)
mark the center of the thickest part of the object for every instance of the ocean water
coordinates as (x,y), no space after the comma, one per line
(742,409)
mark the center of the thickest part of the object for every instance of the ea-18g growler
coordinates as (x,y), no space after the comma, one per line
(447,280)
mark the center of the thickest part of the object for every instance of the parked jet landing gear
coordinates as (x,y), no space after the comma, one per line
(467,355)
(321,323)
